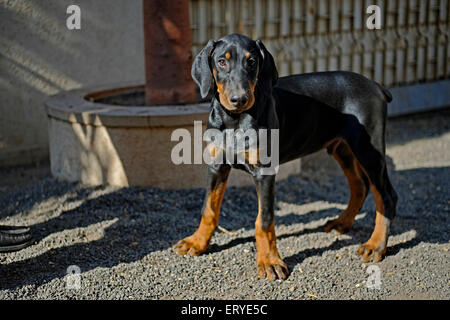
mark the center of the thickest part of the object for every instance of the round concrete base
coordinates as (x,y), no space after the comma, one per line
(95,143)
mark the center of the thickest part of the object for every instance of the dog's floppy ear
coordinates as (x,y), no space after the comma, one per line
(267,70)
(201,69)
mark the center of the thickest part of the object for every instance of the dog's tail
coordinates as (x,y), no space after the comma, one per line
(387,94)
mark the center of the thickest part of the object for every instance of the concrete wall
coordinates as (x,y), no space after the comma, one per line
(40,57)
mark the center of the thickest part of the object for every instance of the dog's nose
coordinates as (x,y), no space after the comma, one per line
(238,100)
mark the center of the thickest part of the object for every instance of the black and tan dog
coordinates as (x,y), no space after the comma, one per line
(341,111)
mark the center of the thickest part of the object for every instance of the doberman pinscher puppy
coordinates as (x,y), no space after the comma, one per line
(343,112)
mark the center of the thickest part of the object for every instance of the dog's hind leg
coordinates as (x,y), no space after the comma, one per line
(357,181)
(374,165)
(386,202)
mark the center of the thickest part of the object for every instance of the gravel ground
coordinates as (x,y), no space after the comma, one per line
(121,238)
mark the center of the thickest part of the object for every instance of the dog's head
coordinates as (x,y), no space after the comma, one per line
(234,67)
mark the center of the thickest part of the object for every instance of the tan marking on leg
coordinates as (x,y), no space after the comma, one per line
(358,194)
(358,190)
(375,247)
(268,260)
(252,156)
(198,242)
(212,150)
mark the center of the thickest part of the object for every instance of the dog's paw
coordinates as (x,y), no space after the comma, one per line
(273,270)
(339,225)
(190,245)
(372,250)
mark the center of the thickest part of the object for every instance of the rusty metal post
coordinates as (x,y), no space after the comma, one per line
(168,55)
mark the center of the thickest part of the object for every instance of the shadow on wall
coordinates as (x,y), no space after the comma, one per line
(39,57)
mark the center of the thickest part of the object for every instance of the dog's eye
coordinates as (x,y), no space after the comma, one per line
(222,62)
(251,62)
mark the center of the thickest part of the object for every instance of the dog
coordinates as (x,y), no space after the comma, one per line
(343,112)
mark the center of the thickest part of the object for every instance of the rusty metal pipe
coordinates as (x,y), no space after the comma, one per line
(168,53)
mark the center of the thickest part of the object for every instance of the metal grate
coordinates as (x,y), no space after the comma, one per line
(412,45)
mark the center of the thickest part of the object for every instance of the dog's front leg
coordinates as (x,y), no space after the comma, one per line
(198,242)
(268,260)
